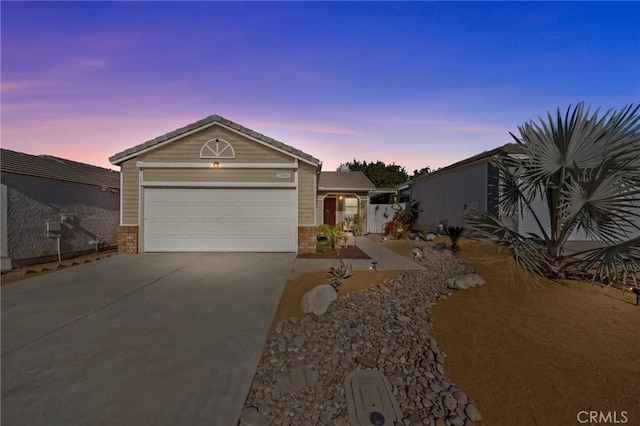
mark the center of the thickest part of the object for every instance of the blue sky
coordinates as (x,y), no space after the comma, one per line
(417,84)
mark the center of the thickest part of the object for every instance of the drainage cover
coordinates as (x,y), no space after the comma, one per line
(369,399)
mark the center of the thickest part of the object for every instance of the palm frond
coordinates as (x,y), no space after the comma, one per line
(528,252)
(618,262)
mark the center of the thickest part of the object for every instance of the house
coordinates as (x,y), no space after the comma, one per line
(215,185)
(343,195)
(53,208)
(448,194)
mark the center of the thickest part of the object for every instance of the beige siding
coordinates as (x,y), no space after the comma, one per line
(306,194)
(216,175)
(188,148)
(320,211)
(130,192)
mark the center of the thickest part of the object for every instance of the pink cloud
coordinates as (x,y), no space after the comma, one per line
(90,139)
(21,85)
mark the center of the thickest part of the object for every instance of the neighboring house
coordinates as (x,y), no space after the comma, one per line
(343,194)
(448,194)
(215,185)
(51,206)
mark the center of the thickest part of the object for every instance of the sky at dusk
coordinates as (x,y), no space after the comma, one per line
(418,84)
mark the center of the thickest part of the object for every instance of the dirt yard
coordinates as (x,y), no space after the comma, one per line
(539,352)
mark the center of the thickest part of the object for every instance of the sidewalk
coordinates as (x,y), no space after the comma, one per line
(387,259)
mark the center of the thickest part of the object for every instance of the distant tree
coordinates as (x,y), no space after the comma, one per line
(422,171)
(380,174)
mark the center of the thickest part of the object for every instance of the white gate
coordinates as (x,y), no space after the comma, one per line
(379,214)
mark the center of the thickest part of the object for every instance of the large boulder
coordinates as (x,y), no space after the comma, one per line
(318,299)
(465,281)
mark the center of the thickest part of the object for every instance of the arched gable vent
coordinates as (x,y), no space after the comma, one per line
(217,148)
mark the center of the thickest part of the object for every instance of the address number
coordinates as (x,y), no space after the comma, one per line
(283,175)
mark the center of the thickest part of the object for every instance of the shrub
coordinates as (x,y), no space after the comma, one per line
(455,233)
(339,272)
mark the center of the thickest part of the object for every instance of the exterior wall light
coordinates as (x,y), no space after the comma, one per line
(216,165)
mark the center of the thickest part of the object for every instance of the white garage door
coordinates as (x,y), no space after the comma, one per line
(206,219)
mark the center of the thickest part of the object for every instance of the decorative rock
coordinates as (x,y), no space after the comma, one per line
(403,318)
(430,237)
(450,402)
(318,299)
(414,420)
(456,421)
(461,397)
(453,283)
(417,253)
(366,361)
(441,246)
(251,417)
(300,378)
(465,281)
(473,413)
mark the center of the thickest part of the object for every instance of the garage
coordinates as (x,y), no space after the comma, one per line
(216,186)
(214,219)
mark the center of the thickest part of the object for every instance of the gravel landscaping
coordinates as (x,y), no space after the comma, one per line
(301,376)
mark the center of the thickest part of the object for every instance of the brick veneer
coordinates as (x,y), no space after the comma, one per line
(127,239)
(306,239)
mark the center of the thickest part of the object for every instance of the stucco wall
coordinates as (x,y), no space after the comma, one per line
(450,196)
(32,202)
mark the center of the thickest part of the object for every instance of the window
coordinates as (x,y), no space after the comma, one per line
(351,206)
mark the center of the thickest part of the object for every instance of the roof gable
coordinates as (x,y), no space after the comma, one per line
(50,167)
(202,124)
(351,180)
(510,148)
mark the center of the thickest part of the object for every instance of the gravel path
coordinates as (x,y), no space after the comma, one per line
(300,379)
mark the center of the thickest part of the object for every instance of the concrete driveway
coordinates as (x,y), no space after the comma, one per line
(154,339)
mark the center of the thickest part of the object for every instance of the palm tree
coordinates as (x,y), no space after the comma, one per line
(586,169)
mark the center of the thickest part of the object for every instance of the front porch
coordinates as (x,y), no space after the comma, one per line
(346,209)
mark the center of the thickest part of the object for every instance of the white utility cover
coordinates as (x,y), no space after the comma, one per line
(219,220)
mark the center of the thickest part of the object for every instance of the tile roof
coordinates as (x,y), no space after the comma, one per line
(510,148)
(50,167)
(119,157)
(344,180)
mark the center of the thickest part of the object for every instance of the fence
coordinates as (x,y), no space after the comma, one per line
(379,214)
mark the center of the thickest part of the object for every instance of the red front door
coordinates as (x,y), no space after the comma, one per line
(330,211)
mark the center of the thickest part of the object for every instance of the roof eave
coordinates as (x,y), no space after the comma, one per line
(136,151)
